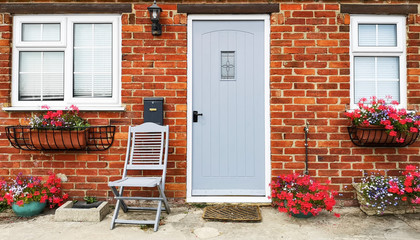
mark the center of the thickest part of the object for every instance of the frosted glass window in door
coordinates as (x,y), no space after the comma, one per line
(377,35)
(377,76)
(41,32)
(41,76)
(92,60)
(228,65)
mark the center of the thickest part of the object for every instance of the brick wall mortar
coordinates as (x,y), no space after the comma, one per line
(309,82)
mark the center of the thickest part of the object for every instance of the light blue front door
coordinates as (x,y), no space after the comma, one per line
(228,90)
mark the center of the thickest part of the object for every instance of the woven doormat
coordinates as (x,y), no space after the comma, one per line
(233,213)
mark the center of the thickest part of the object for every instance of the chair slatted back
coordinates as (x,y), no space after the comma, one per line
(147,148)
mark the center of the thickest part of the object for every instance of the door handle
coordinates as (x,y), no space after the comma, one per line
(195,116)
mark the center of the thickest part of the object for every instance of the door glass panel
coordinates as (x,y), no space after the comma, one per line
(228,65)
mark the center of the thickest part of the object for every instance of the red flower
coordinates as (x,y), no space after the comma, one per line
(337,215)
(393,133)
(413,129)
(19,203)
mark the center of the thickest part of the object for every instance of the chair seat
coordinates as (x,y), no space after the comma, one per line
(136,182)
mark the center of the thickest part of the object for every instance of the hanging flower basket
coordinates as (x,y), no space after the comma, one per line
(377,136)
(381,123)
(93,138)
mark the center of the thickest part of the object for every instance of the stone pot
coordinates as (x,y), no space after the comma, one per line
(401,208)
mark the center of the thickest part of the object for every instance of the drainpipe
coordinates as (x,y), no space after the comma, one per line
(306,129)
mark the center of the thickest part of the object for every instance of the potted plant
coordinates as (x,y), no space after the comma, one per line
(381,124)
(58,129)
(28,195)
(301,196)
(89,202)
(378,195)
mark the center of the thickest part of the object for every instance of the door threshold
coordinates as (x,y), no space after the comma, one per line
(229,199)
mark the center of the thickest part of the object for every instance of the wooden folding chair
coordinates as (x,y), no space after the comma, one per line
(147,149)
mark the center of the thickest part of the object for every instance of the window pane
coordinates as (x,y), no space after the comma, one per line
(83,84)
(388,68)
(388,88)
(83,35)
(364,89)
(367,35)
(387,35)
(376,76)
(92,60)
(364,68)
(377,35)
(41,76)
(35,32)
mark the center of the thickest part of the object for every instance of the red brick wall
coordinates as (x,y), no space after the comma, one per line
(309,82)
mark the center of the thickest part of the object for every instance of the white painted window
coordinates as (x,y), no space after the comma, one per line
(59,60)
(378,58)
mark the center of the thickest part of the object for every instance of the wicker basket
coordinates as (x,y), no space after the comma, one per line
(401,208)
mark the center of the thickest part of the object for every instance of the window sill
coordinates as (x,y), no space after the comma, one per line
(81,108)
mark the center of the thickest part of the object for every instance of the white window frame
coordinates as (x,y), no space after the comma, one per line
(397,51)
(66,45)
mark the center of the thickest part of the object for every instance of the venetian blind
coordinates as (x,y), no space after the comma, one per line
(92,74)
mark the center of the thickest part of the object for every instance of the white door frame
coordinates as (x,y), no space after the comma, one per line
(231,199)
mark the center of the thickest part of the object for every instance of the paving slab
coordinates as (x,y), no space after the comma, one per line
(186,223)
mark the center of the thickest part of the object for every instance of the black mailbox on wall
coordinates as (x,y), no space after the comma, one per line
(153,110)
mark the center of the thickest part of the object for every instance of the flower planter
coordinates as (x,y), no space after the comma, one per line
(92,138)
(401,208)
(377,136)
(28,209)
(302,215)
(67,213)
(59,139)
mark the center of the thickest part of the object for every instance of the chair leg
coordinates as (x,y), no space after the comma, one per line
(119,194)
(123,205)
(157,220)
(165,201)
(115,216)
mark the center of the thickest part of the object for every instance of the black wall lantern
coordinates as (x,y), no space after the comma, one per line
(154,12)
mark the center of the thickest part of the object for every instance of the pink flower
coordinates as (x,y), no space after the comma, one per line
(400,140)
(393,133)
(413,129)
(74,108)
(337,215)
(19,203)
(389,127)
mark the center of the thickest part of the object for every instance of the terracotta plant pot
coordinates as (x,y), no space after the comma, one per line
(58,139)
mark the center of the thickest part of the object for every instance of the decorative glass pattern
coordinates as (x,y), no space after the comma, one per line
(228,65)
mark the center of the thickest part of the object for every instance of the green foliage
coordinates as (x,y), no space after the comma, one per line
(89,199)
